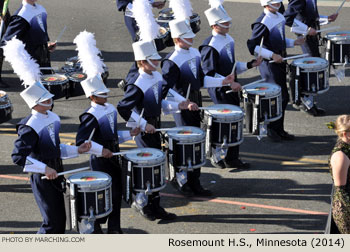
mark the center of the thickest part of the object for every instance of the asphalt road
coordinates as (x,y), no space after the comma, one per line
(287,188)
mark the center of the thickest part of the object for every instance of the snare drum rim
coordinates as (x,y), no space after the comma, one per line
(72,78)
(334,37)
(91,187)
(232,117)
(55,83)
(187,138)
(148,162)
(323,64)
(277,91)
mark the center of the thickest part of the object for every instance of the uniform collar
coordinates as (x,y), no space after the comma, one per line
(215,34)
(24,3)
(270,14)
(98,106)
(146,75)
(181,50)
(40,115)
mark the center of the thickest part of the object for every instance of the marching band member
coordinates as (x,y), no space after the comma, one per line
(29,25)
(6,20)
(182,68)
(271,26)
(38,149)
(218,59)
(146,91)
(101,117)
(303,18)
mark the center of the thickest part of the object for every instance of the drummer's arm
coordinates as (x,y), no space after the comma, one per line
(259,31)
(18,26)
(294,8)
(24,145)
(171,76)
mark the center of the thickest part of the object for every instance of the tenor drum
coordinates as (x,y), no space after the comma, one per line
(309,76)
(56,84)
(186,147)
(338,47)
(75,79)
(6,107)
(262,104)
(143,171)
(90,195)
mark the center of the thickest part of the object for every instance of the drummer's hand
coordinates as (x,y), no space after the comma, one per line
(84,147)
(158,4)
(235,86)
(150,129)
(299,41)
(311,32)
(277,58)
(332,17)
(229,79)
(51,46)
(135,131)
(50,173)
(257,62)
(106,153)
(192,106)
(184,104)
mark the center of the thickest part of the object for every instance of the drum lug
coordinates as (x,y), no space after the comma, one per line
(92,216)
(148,190)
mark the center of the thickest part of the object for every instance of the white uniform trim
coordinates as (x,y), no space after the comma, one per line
(39,121)
(33,165)
(180,56)
(29,11)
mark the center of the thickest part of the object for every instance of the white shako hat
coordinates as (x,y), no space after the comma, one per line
(217,15)
(145,50)
(94,86)
(181,29)
(268,2)
(34,94)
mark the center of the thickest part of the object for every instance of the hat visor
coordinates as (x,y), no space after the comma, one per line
(155,56)
(224,20)
(275,1)
(188,34)
(46,97)
(103,91)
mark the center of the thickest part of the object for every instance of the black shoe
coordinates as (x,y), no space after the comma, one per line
(160,213)
(286,136)
(97,229)
(121,84)
(220,164)
(3,84)
(239,164)
(319,111)
(145,212)
(119,231)
(200,191)
(273,135)
(184,190)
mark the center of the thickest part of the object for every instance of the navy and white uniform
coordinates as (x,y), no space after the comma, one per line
(103,118)
(146,91)
(37,146)
(306,12)
(28,23)
(218,59)
(272,27)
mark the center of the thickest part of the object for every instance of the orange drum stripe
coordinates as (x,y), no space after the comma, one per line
(14,177)
(238,203)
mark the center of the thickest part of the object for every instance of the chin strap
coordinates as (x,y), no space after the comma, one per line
(150,62)
(224,26)
(185,41)
(275,8)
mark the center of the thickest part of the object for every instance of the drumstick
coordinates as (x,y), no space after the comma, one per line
(328,29)
(49,68)
(124,152)
(340,6)
(167,129)
(68,172)
(91,134)
(261,44)
(292,57)
(61,33)
(188,91)
(234,67)
(138,123)
(254,82)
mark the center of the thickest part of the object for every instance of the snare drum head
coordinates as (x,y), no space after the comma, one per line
(262,89)
(166,14)
(146,156)
(76,76)
(186,133)
(90,179)
(225,111)
(54,79)
(311,63)
(4,99)
(338,36)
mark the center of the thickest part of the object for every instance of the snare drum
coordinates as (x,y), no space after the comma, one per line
(262,104)
(90,195)
(56,84)
(308,76)
(6,107)
(75,88)
(338,47)
(224,126)
(143,171)
(186,147)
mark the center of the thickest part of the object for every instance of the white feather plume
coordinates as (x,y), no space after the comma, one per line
(145,20)
(88,54)
(182,9)
(215,3)
(22,63)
